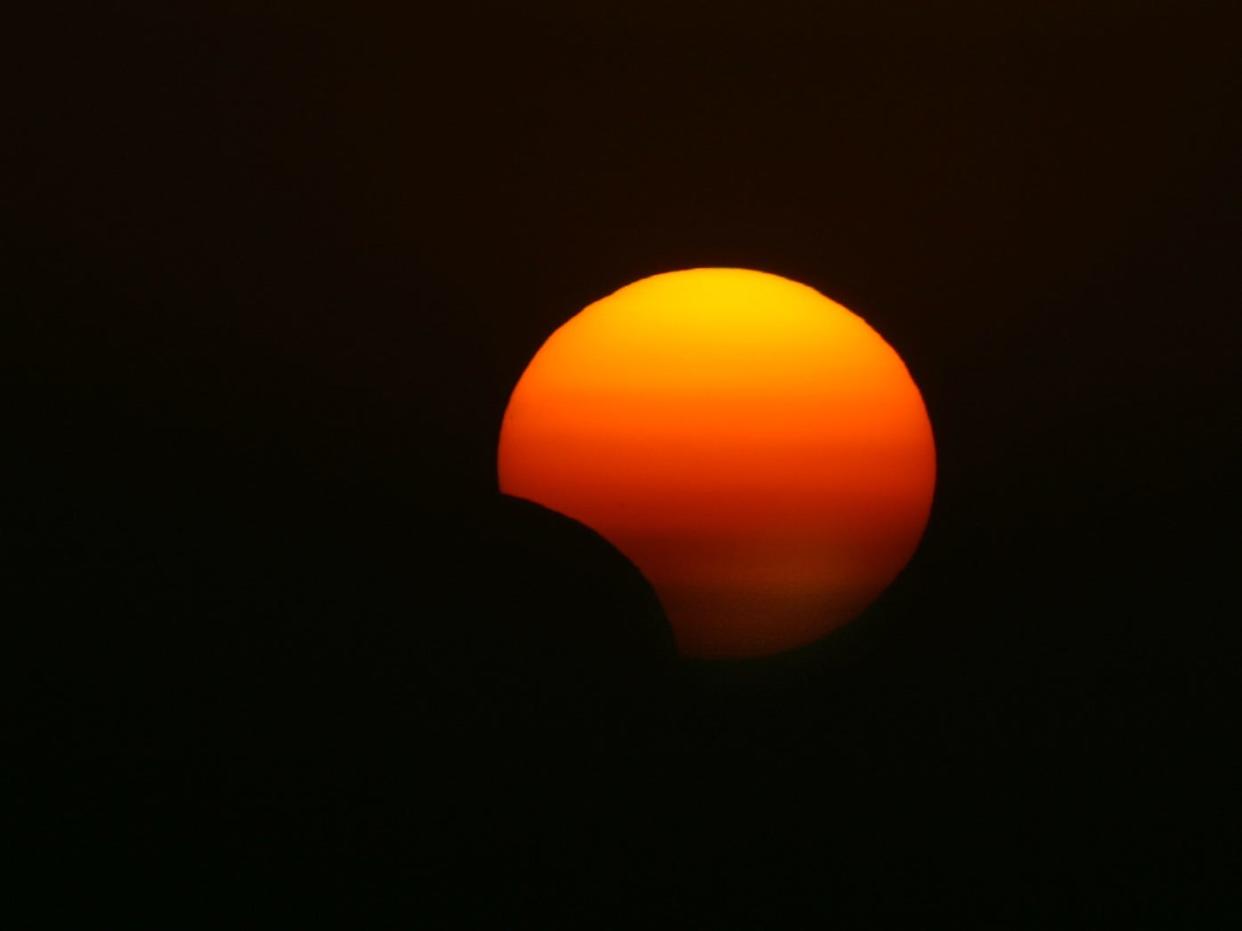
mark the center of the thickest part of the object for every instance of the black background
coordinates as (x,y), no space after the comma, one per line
(282,651)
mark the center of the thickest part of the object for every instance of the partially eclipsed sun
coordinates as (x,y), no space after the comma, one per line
(757,450)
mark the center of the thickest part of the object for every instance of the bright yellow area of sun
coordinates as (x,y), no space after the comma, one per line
(756,449)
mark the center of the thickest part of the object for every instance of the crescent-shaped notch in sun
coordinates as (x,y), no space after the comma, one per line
(757,450)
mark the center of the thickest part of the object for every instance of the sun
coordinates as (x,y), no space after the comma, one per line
(757,450)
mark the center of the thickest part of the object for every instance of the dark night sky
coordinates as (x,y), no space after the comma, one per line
(282,649)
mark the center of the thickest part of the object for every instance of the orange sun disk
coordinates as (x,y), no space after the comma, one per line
(757,450)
